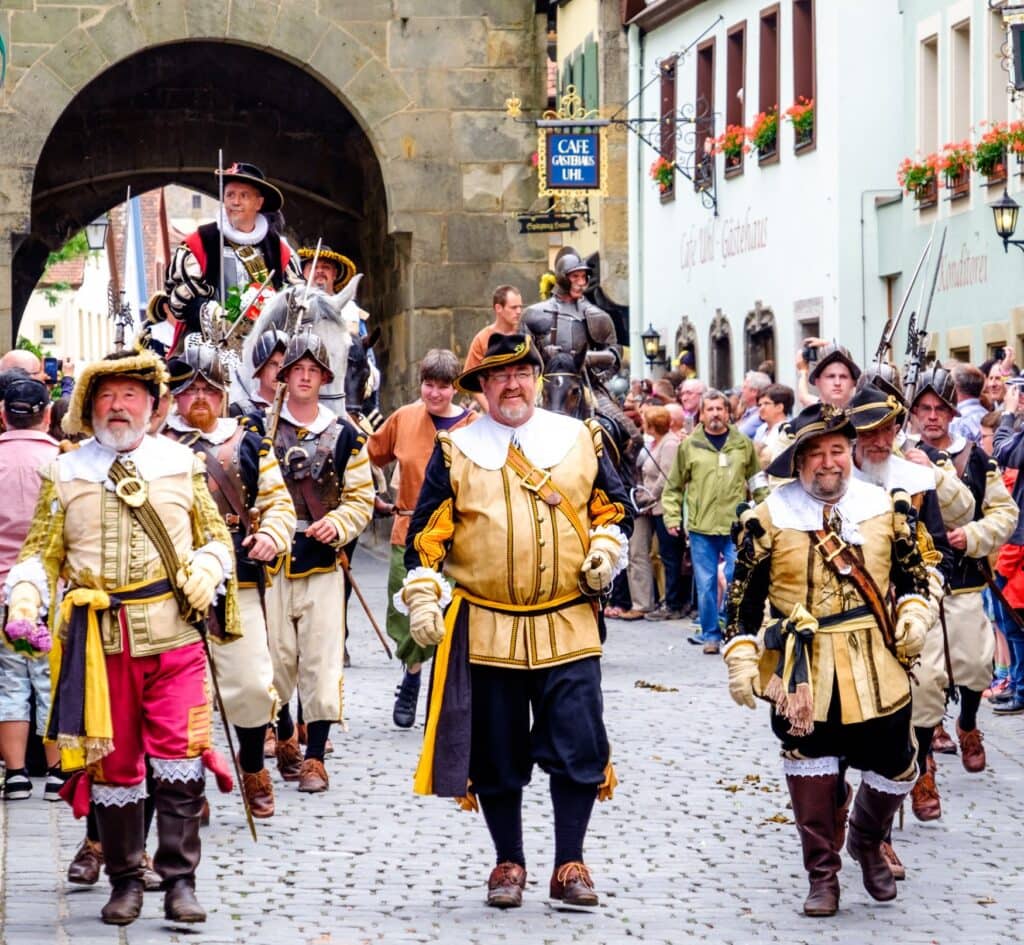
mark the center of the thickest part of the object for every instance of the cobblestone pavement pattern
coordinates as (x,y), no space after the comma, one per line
(697,845)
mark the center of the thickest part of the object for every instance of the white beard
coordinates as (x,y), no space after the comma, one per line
(123,438)
(513,412)
(877,473)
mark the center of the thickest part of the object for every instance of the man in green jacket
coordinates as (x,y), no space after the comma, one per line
(716,468)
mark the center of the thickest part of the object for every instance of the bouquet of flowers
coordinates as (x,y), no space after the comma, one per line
(27,637)
(247,304)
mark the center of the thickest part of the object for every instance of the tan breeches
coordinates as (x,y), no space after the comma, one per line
(245,672)
(971,648)
(307,639)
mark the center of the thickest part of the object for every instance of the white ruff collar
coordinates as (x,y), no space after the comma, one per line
(901,473)
(544,439)
(154,458)
(324,416)
(221,433)
(792,506)
(259,231)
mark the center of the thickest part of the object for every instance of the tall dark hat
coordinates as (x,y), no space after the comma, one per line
(273,199)
(829,355)
(812,422)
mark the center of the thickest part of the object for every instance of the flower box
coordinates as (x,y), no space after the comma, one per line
(959,185)
(764,136)
(927,194)
(801,116)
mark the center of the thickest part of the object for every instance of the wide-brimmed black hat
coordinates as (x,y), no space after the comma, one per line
(344,266)
(273,199)
(870,408)
(502,351)
(829,355)
(812,422)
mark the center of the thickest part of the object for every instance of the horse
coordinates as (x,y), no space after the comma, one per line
(567,390)
(325,317)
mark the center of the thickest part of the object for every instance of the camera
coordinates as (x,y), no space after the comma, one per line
(50,369)
(809,354)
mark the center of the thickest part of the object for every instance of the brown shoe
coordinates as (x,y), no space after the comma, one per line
(84,869)
(972,751)
(270,743)
(313,777)
(151,879)
(941,742)
(289,758)
(924,798)
(505,886)
(711,648)
(896,866)
(572,886)
(259,793)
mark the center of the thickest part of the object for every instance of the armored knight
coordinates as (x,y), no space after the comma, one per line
(327,471)
(253,251)
(568,323)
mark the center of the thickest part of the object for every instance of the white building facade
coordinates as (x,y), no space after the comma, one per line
(784,252)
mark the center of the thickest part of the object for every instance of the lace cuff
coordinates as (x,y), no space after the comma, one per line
(423,575)
(811,767)
(115,795)
(178,769)
(618,535)
(737,640)
(32,572)
(886,786)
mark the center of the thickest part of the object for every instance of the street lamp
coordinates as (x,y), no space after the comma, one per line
(652,343)
(1005,212)
(96,232)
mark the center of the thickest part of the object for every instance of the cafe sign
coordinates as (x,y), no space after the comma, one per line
(571,159)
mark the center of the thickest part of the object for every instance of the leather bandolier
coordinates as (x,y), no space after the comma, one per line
(313,467)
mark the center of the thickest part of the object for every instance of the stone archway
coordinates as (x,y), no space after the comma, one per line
(720,338)
(386,132)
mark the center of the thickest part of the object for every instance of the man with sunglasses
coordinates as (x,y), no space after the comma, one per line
(529,520)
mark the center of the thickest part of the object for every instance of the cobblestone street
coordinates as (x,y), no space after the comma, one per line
(697,844)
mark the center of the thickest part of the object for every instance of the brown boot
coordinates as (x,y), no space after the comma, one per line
(178,806)
(84,869)
(924,798)
(843,815)
(259,793)
(814,810)
(870,821)
(972,751)
(313,777)
(572,886)
(270,743)
(300,731)
(941,742)
(122,836)
(505,886)
(289,758)
(896,867)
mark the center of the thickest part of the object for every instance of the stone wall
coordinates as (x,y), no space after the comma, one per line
(426,81)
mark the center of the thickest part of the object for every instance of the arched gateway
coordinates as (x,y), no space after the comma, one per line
(386,133)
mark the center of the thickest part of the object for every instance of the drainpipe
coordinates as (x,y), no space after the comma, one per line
(634,182)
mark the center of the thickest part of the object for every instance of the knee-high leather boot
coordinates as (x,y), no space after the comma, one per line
(123,840)
(815,812)
(178,808)
(870,820)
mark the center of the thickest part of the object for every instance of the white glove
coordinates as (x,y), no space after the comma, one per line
(741,661)
(24,602)
(201,581)
(912,622)
(599,568)
(426,622)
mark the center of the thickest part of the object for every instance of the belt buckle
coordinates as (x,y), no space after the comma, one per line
(830,555)
(544,479)
(131,490)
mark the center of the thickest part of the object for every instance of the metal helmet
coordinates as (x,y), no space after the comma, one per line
(886,377)
(202,360)
(938,381)
(306,345)
(566,263)
(266,345)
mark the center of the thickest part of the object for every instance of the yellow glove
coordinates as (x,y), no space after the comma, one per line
(599,567)
(741,661)
(200,582)
(426,622)
(912,622)
(24,602)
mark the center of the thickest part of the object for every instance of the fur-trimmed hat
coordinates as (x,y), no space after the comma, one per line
(143,366)
(344,266)
(502,351)
(812,422)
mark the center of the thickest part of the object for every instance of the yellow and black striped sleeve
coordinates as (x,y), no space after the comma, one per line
(433,521)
